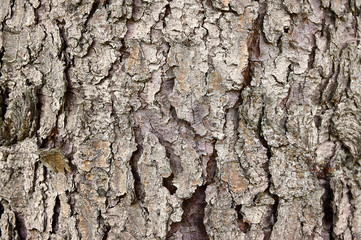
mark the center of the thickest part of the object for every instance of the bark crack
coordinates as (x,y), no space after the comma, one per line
(327,198)
(168,183)
(2,53)
(94,7)
(1,212)
(55,221)
(191,226)
(242,223)
(138,186)
(20,226)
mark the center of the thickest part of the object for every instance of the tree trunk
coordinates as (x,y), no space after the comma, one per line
(180,119)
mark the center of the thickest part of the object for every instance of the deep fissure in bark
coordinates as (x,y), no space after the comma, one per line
(71,202)
(3,103)
(166,13)
(69,95)
(138,186)
(106,232)
(20,226)
(263,140)
(274,211)
(39,106)
(2,52)
(312,55)
(94,7)
(191,226)
(1,213)
(243,224)
(212,166)
(55,221)
(168,183)
(327,199)
(102,226)
(272,216)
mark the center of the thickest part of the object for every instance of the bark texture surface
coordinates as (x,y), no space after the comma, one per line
(180,119)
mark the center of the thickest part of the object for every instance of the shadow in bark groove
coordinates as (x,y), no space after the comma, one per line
(106,232)
(192,226)
(55,222)
(1,212)
(20,226)
(168,183)
(327,198)
(138,186)
(243,224)
(272,217)
(212,166)
(2,52)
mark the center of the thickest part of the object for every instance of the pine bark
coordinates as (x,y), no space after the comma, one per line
(180,119)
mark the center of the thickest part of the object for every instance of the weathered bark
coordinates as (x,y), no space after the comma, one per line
(183,119)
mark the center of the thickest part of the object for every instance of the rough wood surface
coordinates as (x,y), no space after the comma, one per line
(180,119)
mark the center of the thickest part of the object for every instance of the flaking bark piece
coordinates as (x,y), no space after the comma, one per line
(54,159)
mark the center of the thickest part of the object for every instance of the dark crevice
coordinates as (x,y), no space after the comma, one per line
(167,12)
(274,210)
(94,7)
(173,112)
(168,183)
(262,139)
(2,53)
(55,221)
(68,95)
(279,45)
(106,232)
(39,106)
(318,121)
(3,102)
(45,173)
(351,202)
(243,224)
(312,55)
(272,216)
(191,226)
(35,177)
(327,199)
(138,186)
(212,166)
(20,227)
(71,202)
(1,213)
(102,226)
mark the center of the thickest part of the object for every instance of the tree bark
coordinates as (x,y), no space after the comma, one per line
(180,119)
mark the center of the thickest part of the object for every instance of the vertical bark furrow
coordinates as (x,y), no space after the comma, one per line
(327,219)
(55,220)
(20,227)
